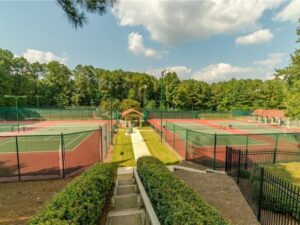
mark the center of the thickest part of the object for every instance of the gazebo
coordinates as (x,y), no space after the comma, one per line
(130,116)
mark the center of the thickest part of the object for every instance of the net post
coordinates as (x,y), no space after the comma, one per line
(18,158)
(276,148)
(62,156)
(215,151)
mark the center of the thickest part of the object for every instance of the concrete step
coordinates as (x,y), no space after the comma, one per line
(131,201)
(126,189)
(125,176)
(126,217)
(123,182)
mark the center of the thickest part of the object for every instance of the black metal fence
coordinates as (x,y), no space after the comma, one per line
(273,200)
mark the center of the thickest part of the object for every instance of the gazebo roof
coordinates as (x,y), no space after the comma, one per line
(129,111)
(269,113)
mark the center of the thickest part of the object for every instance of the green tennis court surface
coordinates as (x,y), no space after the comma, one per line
(38,143)
(202,135)
(58,129)
(249,127)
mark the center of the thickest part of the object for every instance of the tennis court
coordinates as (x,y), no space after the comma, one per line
(52,149)
(205,141)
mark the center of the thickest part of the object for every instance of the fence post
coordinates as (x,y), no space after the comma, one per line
(18,158)
(186,141)
(246,158)
(62,152)
(239,168)
(276,148)
(262,172)
(215,151)
(174,135)
(226,159)
(100,145)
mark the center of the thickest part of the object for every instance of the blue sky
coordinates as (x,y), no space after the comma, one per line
(207,40)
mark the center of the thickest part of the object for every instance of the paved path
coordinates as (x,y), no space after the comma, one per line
(138,144)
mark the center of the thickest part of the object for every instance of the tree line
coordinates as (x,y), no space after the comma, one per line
(55,85)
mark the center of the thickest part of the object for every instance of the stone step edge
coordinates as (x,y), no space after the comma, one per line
(125,212)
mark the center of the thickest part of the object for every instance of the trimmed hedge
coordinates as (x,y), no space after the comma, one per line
(82,201)
(173,201)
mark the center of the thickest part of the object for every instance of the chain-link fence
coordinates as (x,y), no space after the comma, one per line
(37,114)
(209,149)
(195,114)
(52,155)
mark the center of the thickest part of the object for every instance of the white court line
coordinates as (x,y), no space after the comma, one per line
(74,140)
(7,142)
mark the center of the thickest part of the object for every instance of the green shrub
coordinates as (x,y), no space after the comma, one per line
(82,201)
(173,201)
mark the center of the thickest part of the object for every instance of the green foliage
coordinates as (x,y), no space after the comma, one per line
(173,201)
(77,11)
(82,202)
(57,85)
(130,103)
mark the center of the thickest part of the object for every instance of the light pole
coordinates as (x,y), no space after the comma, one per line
(111,128)
(161,97)
(38,100)
(16,99)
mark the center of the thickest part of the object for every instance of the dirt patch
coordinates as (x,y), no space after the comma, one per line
(19,201)
(221,191)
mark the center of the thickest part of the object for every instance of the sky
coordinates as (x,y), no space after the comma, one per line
(209,40)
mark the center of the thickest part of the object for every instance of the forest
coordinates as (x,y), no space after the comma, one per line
(55,85)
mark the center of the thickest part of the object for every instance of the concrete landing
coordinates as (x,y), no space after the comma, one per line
(138,144)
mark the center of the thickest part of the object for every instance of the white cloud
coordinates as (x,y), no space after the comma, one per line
(291,12)
(136,45)
(183,72)
(172,22)
(272,61)
(263,69)
(33,55)
(257,37)
(220,71)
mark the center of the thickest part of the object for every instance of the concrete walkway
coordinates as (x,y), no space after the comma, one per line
(138,144)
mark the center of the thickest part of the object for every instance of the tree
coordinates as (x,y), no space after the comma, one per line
(58,84)
(77,10)
(130,103)
(291,77)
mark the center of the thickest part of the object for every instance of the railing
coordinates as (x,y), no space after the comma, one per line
(273,200)
(150,218)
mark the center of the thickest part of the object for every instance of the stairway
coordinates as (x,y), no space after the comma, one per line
(127,204)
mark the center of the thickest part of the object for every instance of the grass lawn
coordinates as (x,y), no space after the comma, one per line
(122,149)
(287,171)
(157,149)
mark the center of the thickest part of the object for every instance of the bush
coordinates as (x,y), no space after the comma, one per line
(173,201)
(82,201)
